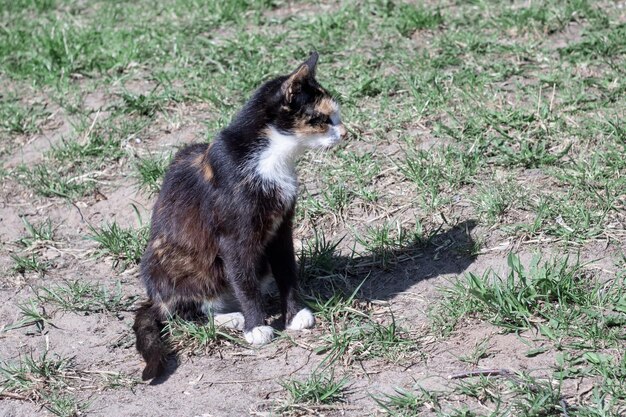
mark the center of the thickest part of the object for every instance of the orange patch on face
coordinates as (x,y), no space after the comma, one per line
(302,128)
(326,106)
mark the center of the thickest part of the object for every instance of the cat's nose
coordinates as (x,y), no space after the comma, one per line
(343,132)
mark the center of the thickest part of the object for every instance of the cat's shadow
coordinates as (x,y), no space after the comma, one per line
(171,365)
(383,274)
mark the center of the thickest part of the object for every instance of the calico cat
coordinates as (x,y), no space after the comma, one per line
(223,220)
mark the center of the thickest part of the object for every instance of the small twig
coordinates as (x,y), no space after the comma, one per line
(388,213)
(14,396)
(249,381)
(552,98)
(481,372)
(94,371)
(585,392)
(93,123)
(82,219)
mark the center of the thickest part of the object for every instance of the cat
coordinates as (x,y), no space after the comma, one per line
(223,220)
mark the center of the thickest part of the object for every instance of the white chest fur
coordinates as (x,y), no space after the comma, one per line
(275,165)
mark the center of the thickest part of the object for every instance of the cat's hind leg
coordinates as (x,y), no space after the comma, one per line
(225,311)
(229,320)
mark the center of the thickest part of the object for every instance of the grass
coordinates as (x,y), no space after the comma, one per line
(521,395)
(43,380)
(29,263)
(363,339)
(83,297)
(65,405)
(194,337)
(150,172)
(353,335)
(32,314)
(77,296)
(124,245)
(317,389)
(37,233)
(545,295)
(18,119)
(406,403)
(49,381)
(38,236)
(480,351)
(509,116)
(492,202)
(567,308)
(17,376)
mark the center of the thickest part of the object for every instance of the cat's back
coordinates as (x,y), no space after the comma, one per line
(186,172)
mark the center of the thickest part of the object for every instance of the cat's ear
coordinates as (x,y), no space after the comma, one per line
(311,63)
(292,85)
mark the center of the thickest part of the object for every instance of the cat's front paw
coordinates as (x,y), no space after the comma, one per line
(259,335)
(302,320)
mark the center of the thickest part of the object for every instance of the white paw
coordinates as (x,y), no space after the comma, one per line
(229,320)
(259,335)
(303,320)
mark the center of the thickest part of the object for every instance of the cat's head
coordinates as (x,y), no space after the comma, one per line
(306,110)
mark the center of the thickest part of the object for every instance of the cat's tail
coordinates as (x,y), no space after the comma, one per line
(148,327)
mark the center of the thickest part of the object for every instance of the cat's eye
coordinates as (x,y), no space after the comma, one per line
(320,120)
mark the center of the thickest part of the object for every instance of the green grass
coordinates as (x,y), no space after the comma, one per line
(318,257)
(404,403)
(556,297)
(37,234)
(353,335)
(16,118)
(147,105)
(197,338)
(124,245)
(315,390)
(480,351)
(82,160)
(50,381)
(74,167)
(44,380)
(150,171)
(17,376)
(520,395)
(29,263)
(492,201)
(98,149)
(363,339)
(50,182)
(387,242)
(32,314)
(64,405)
(566,308)
(84,297)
